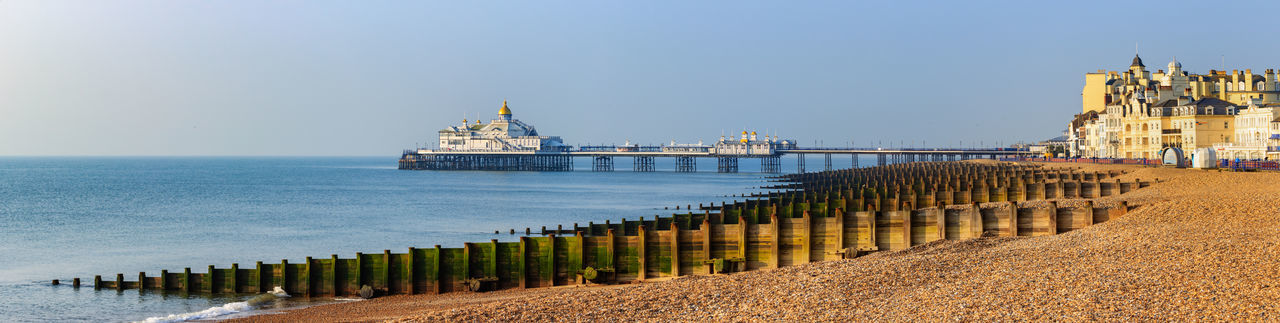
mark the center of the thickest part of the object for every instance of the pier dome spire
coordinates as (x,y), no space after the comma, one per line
(504,112)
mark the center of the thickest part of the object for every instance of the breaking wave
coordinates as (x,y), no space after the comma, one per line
(225,309)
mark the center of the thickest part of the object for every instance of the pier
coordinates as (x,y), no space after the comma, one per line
(686,160)
(508,144)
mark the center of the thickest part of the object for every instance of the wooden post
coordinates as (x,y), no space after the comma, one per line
(120,282)
(641,251)
(333,279)
(466,263)
(706,243)
(386,270)
(359,270)
(164,280)
(235,277)
(940,223)
(905,215)
(413,278)
(434,274)
(1053,217)
(675,250)
(1088,205)
(262,284)
(775,240)
(284,276)
(306,276)
(492,269)
(551,256)
(580,249)
(976,227)
(806,240)
(186,280)
(1012,219)
(75,282)
(839,230)
(869,218)
(97,282)
(742,238)
(142,281)
(208,279)
(523,251)
(608,249)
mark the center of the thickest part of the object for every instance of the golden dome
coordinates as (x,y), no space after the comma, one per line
(504,110)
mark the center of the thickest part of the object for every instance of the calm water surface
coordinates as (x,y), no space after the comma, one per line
(64,217)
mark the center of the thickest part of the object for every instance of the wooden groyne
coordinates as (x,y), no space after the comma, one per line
(835,215)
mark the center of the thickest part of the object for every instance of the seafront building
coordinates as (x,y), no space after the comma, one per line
(1137,113)
(1104,88)
(1257,133)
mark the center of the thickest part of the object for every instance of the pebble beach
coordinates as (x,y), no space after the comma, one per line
(1197,246)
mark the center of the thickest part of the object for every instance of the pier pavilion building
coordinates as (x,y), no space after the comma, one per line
(502,134)
(751,145)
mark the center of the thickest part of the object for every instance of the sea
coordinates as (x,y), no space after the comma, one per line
(67,217)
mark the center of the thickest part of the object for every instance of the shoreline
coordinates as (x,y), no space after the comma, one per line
(1163,258)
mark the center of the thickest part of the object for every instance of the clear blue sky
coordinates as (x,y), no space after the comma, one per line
(374,77)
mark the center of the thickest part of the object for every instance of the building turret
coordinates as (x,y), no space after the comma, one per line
(753,136)
(1137,69)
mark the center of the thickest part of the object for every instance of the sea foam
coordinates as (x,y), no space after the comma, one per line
(225,309)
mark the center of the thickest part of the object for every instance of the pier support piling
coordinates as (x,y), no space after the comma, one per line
(602,163)
(643,164)
(727,164)
(686,164)
(772,164)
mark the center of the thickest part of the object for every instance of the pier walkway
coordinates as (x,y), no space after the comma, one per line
(602,157)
